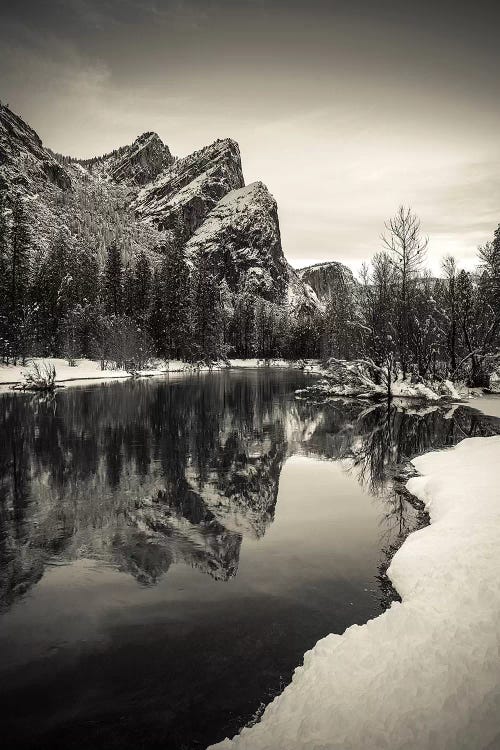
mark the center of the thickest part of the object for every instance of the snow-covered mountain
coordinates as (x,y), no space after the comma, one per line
(88,201)
(138,193)
(325,279)
(241,237)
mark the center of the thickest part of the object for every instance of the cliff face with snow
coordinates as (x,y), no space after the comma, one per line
(241,238)
(185,192)
(325,279)
(23,159)
(139,193)
(136,164)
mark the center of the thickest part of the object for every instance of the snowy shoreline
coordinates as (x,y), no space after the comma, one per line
(89,370)
(425,673)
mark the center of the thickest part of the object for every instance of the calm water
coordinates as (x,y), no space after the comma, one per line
(170,548)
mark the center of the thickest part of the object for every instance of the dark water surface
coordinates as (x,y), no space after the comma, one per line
(169,549)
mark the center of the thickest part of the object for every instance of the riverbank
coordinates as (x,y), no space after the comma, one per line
(425,674)
(86,369)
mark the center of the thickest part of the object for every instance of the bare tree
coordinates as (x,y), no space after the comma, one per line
(406,248)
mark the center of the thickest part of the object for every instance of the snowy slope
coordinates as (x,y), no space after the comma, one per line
(62,194)
(425,675)
(241,236)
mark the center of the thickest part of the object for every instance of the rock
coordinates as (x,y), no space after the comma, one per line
(134,165)
(241,237)
(16,137)
(185,193)
(325,279)
(56,174)
(22,155)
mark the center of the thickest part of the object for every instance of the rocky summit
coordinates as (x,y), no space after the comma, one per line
(137,164)
(184,193)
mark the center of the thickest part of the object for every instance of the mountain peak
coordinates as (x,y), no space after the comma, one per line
(148,135)
(141,162)
(190,187)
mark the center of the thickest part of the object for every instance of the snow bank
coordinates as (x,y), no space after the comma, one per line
(253,362)
(359,386)
(489,405)
(312,366)
(425,675)
(87,369)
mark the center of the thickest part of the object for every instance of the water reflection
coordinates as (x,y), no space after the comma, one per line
(146,474)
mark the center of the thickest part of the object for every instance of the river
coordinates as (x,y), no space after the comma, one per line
(170,548)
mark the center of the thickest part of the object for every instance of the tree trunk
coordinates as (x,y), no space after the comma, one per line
(479,377)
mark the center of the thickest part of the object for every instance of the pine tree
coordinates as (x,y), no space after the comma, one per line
(489,256)
(85,270)
(271,329)
(19,253)
(449,300)
(54,290)
(243,334)
(207,314)
(137,288)
(113,281)
(176,303)
(4,286)
(18,275)
(156,314)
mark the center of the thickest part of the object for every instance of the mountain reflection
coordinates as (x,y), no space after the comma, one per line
(147,474)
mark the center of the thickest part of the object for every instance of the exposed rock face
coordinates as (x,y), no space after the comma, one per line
(241,237)
(148,156)
(137,164)
(300,295)
(17,137)
(22,156)
(57,174)
(326,278)
(184,194)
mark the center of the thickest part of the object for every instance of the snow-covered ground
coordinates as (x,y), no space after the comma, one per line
(87,369)
(254,362)
(353,379)
(84,369)
(425,675)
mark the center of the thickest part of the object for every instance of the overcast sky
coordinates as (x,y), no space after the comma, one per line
(344,109)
